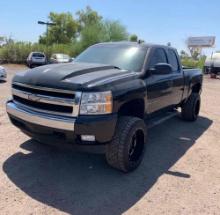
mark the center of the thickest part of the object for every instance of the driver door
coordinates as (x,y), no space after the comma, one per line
(159,87)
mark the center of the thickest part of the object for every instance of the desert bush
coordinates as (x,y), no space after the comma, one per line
(189,62)
(17,52)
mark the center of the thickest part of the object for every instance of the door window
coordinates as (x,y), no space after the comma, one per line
(159,56)
(173,60)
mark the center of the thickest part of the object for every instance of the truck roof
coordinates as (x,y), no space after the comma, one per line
(134,44)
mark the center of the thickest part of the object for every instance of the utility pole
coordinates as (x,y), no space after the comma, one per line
(47,29)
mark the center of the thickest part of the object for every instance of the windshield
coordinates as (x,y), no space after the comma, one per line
(125,57)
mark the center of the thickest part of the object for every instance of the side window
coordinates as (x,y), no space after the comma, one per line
(173,60)
(159,56)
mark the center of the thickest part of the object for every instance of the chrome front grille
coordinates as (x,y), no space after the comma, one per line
(46,100)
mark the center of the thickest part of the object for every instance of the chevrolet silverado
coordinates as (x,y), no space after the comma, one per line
(104,98)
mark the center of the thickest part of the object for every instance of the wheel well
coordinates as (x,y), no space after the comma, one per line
(133,108)
(196,88)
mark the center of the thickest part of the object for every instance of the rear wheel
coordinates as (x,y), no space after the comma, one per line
(126,150)
(191,108)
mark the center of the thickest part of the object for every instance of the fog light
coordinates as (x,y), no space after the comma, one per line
(90,138)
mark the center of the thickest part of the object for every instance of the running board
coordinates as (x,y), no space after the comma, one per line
(161,118)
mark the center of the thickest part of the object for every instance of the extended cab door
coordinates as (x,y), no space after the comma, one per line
(159,87)
(177,77)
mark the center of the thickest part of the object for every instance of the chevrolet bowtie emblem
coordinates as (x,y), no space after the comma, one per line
(33,98)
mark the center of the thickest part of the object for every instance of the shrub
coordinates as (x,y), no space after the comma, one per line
(17,52)
(189,62)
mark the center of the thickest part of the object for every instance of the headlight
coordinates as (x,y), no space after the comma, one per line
(96,103)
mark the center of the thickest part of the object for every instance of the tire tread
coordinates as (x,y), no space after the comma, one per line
(115,150)
(188,107)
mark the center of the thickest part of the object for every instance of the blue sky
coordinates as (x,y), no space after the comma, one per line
(157,21)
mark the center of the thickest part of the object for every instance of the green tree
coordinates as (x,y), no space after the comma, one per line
(88,17)
(195,55)
(183,54)
(133,38)
(64,32)
(87,29)
(93,29)
(92,34)
(102,32)
(115,31)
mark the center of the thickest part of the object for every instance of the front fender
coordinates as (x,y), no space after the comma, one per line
(128,91)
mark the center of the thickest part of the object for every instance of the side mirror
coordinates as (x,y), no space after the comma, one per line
(162,69)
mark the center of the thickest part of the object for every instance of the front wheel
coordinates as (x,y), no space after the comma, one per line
(126,150)
(191,108)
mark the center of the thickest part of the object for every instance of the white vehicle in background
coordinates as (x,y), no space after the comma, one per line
(36,59)
(60,58)
(3,74)
(212,64)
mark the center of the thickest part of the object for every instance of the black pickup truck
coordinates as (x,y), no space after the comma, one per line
(102,99)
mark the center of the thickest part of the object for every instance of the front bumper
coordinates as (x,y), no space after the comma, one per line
(41,119)
(69,128)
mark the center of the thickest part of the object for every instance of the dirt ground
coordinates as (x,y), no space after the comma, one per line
(180,173)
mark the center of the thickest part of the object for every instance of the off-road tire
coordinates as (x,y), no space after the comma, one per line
(118,151)
(191,108)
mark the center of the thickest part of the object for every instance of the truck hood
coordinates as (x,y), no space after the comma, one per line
(73,76)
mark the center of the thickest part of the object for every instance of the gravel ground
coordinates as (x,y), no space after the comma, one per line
(180,173)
